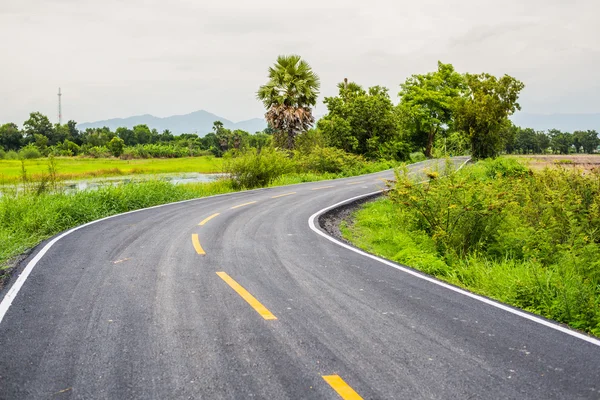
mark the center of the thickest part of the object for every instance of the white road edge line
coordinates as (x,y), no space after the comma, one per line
(541,321)
(16,286)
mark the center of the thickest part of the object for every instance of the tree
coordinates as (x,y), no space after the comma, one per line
(288,96)
(542,142)
(560,141)
(60,134)
(361,122)
(142,134)
(10,137)
(482,113)
(74,134)
(428,102)
(588,141)
(37,124)
(526,141)
(127,135)
(116,146)
(166,136)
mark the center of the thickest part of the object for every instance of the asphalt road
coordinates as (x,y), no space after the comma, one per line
(130,307)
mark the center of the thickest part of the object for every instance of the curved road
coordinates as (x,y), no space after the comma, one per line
(130,307)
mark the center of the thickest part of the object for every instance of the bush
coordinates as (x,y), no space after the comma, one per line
(332,160)
(530,239)
(29,152)
(395,150)
(417,156)
(98,152)
(162,151)
(254,168)
(2,154)
(116,146)
(11,155)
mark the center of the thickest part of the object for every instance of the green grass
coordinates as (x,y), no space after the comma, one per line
(530,240)
(27,218)
(81,168)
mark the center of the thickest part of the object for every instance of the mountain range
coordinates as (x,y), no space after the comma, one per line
(200,122)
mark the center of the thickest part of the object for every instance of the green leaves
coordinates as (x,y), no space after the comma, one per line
(288,95)
(362,122)
(428,101)
(482,113)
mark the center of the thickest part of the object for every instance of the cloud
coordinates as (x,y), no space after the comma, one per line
(121,57)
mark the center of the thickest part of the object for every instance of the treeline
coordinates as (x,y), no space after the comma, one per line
(439,113)
(528,141)
(40,138)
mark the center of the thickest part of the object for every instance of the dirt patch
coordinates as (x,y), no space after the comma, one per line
(584,162)
(331,220)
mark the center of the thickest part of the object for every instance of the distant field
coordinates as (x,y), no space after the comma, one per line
(585,162)
(80,168)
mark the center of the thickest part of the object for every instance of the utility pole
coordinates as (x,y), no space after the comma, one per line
(59,108)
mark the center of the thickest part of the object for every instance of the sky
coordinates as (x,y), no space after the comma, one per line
(117,58)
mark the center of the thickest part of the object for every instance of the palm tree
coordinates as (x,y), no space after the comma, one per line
(288,96)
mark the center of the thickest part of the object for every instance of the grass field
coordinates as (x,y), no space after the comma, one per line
(81,168)
(584,162)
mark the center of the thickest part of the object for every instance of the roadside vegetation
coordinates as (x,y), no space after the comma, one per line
(529,239)
(11,171)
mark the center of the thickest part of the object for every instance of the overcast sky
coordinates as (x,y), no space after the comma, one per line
(117,58)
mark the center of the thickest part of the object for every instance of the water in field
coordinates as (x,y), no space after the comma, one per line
(92,184)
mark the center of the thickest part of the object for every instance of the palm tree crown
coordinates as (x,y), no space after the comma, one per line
(288,95)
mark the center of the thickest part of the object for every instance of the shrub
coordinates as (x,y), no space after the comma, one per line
(11,155)
(116,146)
(255,168)
(29,152)
(531,239)
(332,160)
(417,156)
(98,152)
(395,150)
(2,154)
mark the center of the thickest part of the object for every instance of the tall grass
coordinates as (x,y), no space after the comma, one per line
(531,240)
(27,218)
(81,168)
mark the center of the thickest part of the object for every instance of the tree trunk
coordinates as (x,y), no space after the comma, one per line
(429,147)
(290,140)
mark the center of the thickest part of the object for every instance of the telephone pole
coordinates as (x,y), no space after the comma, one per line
(59,108)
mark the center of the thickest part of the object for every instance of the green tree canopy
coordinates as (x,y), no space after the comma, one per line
(10,137)
(359,121)
(288,96)
(39,124)
(588,141)
(482,113)
(427,102)
(560,141)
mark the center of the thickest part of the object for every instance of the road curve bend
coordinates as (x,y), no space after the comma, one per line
(235,296)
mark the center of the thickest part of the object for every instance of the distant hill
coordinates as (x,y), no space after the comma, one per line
(200,122)
(563,122)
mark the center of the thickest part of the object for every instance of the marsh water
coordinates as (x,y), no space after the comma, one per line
(72,186)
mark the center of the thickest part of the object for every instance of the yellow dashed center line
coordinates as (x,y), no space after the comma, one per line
(196,243)
(322,187)
(285,194)
(205,220)
(355,183)
(244,294)
(341,387)
(242,205)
